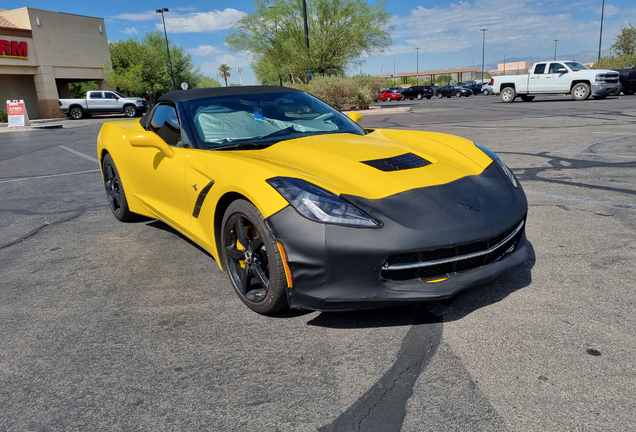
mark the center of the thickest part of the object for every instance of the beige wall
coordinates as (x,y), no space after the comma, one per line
(63,48)
(16,87)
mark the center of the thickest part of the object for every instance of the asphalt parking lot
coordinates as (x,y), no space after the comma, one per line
(128,326)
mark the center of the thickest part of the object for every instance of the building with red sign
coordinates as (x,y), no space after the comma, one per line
(42,51)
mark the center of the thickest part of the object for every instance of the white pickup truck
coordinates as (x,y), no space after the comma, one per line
(103,102)
(558,77)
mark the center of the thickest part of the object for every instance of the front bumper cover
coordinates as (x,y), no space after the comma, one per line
(605,89)
(339,268)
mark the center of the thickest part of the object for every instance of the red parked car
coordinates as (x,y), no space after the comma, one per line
(389,95)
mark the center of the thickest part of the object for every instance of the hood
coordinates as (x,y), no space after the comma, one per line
(376,165)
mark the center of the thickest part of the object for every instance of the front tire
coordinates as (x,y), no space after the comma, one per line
(130,111)
(252,259)
(76,113)
(115,191)
(580,92)
(419,96)
(458,94)
(508,95)
(439,95)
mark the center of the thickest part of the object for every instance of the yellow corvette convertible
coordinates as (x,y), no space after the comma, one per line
(306,209)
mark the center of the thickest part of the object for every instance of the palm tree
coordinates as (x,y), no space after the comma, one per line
(224,72)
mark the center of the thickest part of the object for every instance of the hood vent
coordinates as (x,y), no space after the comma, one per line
(398,163)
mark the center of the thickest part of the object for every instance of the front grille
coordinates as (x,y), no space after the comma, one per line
(447,261)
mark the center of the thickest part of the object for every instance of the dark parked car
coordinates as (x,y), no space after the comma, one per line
(453,90)
(628,79)
(474,87)
(418,91)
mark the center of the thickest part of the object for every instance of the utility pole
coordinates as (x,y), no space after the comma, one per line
(417,80)
(555,43)
(161,11)
(483,50)
(600,38)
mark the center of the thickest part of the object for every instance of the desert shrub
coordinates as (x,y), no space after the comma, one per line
(343,92)
(4,117)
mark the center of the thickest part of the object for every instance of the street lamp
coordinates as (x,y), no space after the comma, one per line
(161,11)
(555,42)
(600,38)
(417,80)
(483,50)
(504,65)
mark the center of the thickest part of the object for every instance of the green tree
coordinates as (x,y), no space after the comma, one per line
(206,82)
(340,33)
(78,89)
(626,41)
(140,68)
(224,72)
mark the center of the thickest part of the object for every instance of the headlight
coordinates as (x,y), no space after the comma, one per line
(503,166)
(320,205)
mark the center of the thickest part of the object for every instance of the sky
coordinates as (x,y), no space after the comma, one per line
(447,33)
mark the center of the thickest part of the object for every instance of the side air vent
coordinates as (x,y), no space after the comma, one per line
(397,163)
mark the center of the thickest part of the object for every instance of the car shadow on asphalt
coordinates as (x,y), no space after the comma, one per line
(165,227)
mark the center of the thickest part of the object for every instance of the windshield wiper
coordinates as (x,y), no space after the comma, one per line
(245,145)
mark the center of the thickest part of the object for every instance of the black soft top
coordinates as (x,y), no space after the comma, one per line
(184,95)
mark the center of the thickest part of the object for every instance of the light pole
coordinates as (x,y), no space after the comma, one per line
(161,11)
(483,50)
(306,36)
(504,64)
(600,38)
(417,79)
(555,43)
(394,78)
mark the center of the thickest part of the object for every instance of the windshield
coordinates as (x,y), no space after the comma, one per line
(576,66)
(263,119)
(119,94)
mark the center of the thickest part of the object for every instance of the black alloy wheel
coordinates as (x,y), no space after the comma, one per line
(252,259)
(115,191)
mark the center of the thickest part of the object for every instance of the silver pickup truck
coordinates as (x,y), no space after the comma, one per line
(103,102)
(558,77)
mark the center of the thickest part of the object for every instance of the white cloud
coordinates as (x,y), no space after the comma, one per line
(204,50)
(141,16)
(130,30)
(610,10)
(517,25)
(201,22)
(233,61)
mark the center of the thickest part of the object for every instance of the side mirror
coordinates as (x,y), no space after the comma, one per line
(355,116)
(563,70)
(151,139)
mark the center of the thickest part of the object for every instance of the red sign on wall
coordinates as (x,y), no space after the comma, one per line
(13,49)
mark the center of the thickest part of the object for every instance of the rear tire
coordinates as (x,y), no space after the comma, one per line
(629,92)
(458,94)
(419,96)
(252,259)
(439,95)
(508,95)
(485,92)
(580,92)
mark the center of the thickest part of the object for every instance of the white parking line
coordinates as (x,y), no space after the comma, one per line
(580,199)
(48,176)
(90,158)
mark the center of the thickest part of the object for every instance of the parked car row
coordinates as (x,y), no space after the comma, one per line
(466,89)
